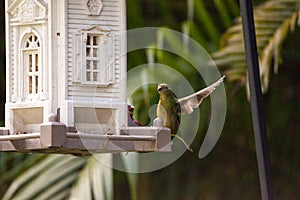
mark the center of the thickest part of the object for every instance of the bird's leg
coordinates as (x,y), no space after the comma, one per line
(182,140)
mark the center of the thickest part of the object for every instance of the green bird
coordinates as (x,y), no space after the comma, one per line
(169,107)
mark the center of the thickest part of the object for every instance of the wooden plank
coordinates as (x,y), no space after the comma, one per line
(19,137)
(134,139)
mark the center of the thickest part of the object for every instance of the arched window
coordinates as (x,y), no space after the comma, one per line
(31,66)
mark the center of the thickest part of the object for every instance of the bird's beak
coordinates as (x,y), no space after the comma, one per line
(130,109)
(159,88)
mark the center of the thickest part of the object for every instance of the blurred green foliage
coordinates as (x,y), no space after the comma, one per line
(230,170)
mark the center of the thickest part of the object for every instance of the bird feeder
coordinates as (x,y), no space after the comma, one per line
(66,82)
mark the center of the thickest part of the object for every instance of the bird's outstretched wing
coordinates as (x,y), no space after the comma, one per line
(190,102)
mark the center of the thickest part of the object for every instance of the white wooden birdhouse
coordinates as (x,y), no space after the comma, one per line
(65,74)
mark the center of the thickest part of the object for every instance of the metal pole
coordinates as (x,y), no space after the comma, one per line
(260,134)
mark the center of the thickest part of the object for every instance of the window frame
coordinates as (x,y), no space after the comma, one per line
(106,58)
(35,73)
(92,58)
(102,60)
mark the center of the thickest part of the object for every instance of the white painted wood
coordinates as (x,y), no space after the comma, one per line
(59,80)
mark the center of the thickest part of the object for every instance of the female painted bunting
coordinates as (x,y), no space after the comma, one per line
(169,107)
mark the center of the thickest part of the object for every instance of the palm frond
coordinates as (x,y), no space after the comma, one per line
(207,19)
(64,177)
(273,21)
(95,180)
(51,178)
